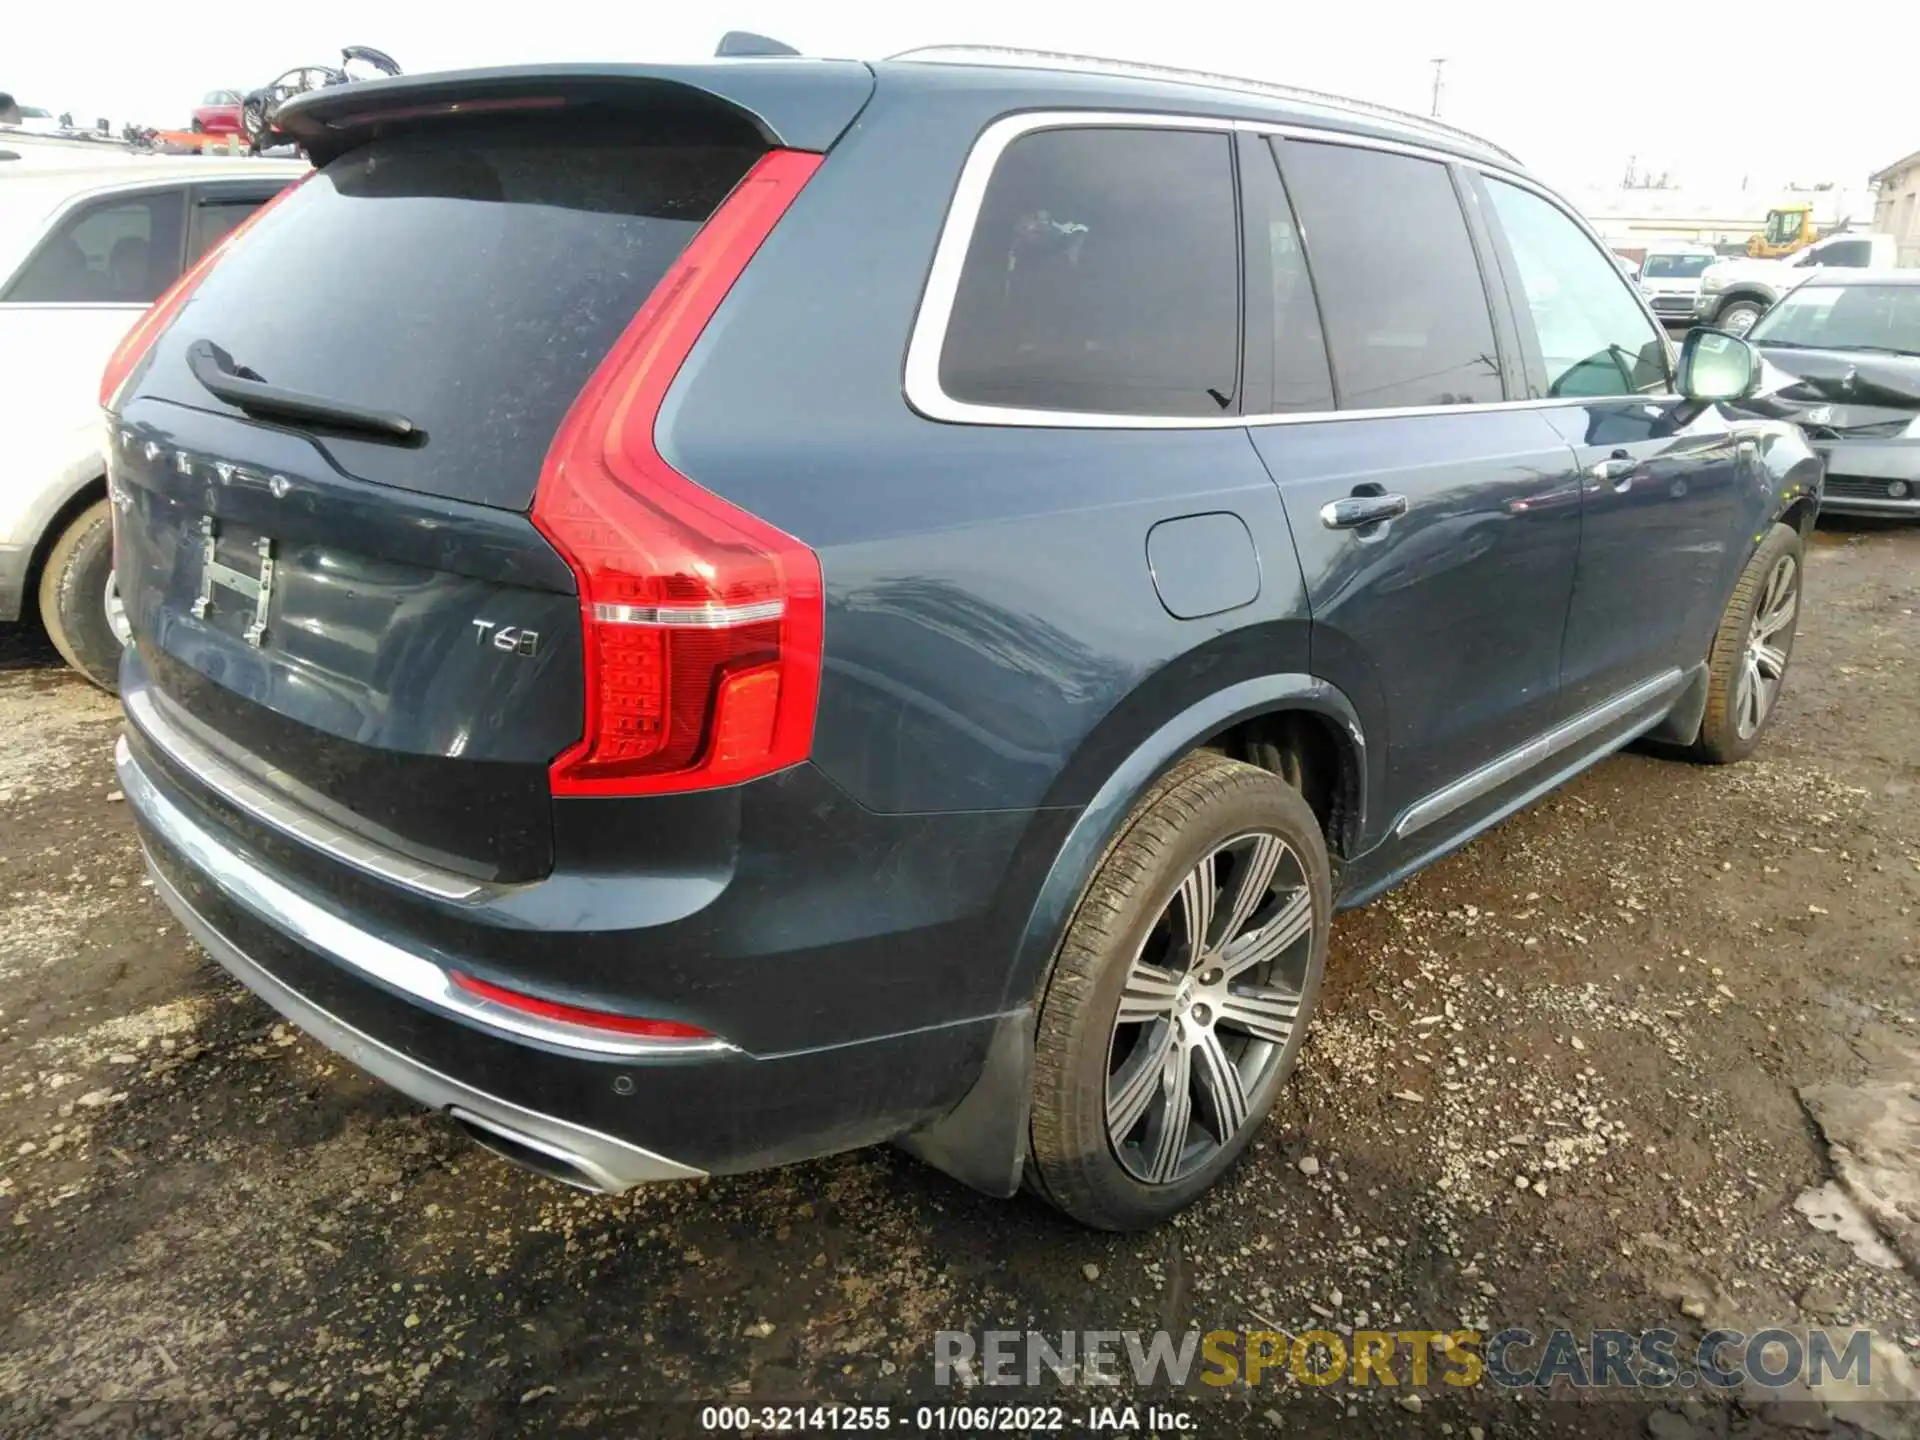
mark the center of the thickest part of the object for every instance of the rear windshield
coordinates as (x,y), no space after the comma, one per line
(468,280)
(1675,267)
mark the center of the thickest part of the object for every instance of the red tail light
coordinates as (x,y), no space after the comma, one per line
(575,1015)
(702,622)
(160,314)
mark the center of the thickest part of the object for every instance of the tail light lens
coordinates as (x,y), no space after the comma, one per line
(161,313)
(702,622)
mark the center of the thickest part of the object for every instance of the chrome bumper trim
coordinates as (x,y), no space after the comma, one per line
(324,932)
(258,801)
(609,1164)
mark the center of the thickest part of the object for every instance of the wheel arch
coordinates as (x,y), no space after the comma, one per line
(1743,292)
(78,500)
(1271,714)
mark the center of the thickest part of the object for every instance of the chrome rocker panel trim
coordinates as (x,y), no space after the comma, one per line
(1518,761)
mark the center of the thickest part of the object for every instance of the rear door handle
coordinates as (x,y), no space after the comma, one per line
(1617,471)
(1357,511)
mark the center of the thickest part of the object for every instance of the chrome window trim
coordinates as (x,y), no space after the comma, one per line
(921,380)
(252,889)
(277,813)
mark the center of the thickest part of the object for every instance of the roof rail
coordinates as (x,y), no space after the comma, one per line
(1059,60)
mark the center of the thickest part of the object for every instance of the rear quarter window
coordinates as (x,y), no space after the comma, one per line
(1102,277)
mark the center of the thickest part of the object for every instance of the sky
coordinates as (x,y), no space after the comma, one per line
(1761,92)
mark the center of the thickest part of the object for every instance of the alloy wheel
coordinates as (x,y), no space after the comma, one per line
(1769,638)
(1210,1003)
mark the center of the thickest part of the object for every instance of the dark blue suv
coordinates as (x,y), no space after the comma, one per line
(696,616)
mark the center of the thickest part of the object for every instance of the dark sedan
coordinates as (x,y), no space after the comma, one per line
(1843,357)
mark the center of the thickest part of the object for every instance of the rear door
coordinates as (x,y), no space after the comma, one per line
(1437,529)
(91,275)
(1658,475)
(373,627)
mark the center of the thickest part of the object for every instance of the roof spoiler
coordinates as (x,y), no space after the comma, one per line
(791,104)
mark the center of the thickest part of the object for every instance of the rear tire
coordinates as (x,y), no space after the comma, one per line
(1747,665)
(73,597)
(1126,1043)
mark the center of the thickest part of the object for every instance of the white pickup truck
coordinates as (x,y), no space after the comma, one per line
(1735,293)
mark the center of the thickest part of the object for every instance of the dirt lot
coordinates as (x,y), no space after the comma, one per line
(1569,1076)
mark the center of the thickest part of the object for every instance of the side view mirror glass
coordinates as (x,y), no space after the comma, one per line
(1717,366)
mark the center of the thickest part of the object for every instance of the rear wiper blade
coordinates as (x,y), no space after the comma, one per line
(215,370)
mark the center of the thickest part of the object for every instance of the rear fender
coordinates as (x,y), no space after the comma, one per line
(1100,822)
(982,1142)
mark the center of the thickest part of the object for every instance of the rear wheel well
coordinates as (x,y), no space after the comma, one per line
(1800,516)
(77,504)
(1311,753)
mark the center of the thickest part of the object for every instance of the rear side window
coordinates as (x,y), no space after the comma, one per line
(469,279)
(1400,290)
(1103,277)
(1594,338)
(214,220)
(120,251)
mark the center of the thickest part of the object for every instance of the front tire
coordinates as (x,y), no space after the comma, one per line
(1738,317)
(74,590)
(1747,665)
(1180,996)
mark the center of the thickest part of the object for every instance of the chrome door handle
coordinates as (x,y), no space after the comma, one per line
(1357,511)
(1617,471)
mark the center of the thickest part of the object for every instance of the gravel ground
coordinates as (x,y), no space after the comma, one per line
(1604,1067)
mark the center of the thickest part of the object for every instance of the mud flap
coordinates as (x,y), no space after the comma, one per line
(1682,725)
(982,1141)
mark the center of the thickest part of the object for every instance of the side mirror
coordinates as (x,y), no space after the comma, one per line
(1718,366)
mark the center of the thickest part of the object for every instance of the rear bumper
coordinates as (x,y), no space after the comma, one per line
(603,1121)
(14,560)
(1863,477)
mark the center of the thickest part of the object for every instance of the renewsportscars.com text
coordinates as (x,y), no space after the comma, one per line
(1512,1358)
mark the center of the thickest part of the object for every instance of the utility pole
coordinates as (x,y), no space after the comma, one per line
(1437,64)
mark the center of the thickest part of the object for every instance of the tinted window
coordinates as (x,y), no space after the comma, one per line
(1675,267)
(1400,291)
(1594,338)
(1103,276)
(212,222)
(470,281)
(122,251)
(1853,254)
(1294,362)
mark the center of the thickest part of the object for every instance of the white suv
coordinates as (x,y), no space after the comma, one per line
(84,249)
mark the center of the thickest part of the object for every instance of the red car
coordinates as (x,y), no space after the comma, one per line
(218,113)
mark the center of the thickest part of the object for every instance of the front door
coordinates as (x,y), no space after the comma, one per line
(1437,536)
(1658,475)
